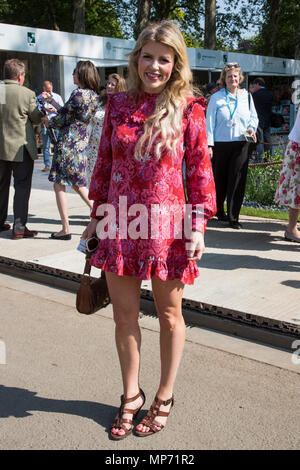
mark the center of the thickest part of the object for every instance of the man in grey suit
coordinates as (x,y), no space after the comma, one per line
(18,111)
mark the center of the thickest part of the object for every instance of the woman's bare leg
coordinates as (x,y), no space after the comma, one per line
(125,295)
(62,205)
(293,220)
(168,298)
(83,193)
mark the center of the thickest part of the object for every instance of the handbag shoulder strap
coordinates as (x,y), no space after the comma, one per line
(87,267)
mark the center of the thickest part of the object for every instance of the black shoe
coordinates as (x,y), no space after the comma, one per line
(26,234)
(61,237)
(4,227)
(235,224)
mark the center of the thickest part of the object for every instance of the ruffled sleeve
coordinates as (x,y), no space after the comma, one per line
(201,193)
(100,181)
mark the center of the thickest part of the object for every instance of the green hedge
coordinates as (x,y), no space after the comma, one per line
(262,182)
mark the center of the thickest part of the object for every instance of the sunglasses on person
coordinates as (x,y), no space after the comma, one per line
(232,66)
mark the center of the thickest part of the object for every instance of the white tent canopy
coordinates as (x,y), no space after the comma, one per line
(111,52)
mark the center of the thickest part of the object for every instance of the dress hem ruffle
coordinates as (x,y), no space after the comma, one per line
(145,270)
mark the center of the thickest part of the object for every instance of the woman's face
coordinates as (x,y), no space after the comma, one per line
(75,77)
(232,79)
(111,85)
(155,66)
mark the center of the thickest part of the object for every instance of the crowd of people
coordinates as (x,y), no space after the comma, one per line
(130,140)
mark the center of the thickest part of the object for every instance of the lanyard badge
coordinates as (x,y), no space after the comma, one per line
(231,112)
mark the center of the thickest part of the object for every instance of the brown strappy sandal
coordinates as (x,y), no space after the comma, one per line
(120,421)
(149,419)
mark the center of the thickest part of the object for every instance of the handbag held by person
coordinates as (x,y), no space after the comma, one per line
(92,295)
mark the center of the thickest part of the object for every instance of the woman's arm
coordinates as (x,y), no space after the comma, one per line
(253,119)
(66,114)
(211,121)
(199,177)
(55,105)
(47,97)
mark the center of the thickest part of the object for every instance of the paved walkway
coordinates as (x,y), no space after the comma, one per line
(57,391)
(254,270)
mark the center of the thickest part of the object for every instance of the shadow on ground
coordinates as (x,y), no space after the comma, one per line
(19,402)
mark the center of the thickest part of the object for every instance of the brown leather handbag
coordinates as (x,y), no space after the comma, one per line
(92,295)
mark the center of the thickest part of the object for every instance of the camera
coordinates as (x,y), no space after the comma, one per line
(50,131)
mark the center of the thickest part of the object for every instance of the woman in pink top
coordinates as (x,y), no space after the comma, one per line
(148,131)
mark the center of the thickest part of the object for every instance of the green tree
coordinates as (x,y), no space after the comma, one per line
(135,14)
(210,39)
(48,14)
(279,23)
(279,30)
(101,18)
(79,16)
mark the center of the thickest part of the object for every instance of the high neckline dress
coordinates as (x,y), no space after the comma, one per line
(152,187)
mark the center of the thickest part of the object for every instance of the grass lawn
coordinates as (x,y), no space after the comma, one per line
(265,213)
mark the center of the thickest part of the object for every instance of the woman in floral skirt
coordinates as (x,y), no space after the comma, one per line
(69,161)
(288,190)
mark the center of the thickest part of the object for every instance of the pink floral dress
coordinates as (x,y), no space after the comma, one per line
(152,186)
(288,190)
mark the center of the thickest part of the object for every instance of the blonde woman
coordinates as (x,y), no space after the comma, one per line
(147,132)
(115,84)
(230,114)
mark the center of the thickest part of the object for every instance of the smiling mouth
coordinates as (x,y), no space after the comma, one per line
(152,76)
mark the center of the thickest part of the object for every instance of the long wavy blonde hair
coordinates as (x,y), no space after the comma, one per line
(165,122)
(121,83)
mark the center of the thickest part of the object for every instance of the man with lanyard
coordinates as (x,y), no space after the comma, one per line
(51,112)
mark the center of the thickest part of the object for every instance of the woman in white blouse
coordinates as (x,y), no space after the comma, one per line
(288,191)
(230,115)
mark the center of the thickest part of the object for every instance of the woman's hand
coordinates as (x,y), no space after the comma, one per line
(210,152)
(251,132)
(195,247)
(90,231)
(46,96)
(45,121)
